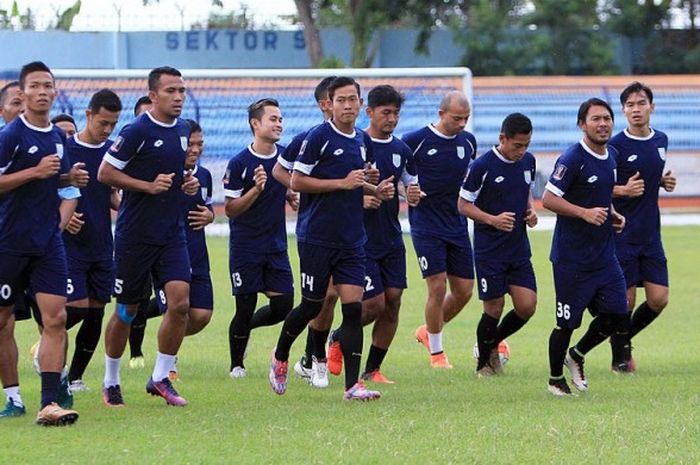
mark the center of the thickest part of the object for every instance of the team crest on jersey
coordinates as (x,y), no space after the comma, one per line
(118,142)
(528,176)
(32,150)
(203,191)
(559,172)
(59,150)
(632,158)
(460,152)
(183,142)
(432,151)
(592,179)
(662,153)
(396,159)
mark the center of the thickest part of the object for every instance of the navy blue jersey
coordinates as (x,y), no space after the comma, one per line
(441,164)
(29,215)
(393,158)
(94,241)
(496,185)
(261,228)
(583,178)
(332,219)
(196,240)
(646,155)
(144,149)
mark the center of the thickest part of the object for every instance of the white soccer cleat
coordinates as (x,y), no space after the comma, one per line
(578,377)
(238,372)
(319,374)
(78,386)
(301,371)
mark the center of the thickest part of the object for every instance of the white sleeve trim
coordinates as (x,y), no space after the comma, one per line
(234,194)
(68,192)
(208,201)
(554,189)
(115,162)
(285,164)
(304,168)
(468,196)
(408,179)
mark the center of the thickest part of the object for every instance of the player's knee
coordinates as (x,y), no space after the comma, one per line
(54,319)
(461,295)
(197,321)
(179,306)
(437,289)
(658,302)
(526,310)
(372,309)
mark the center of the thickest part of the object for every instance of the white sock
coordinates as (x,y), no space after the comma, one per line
(12,394)
(112,371)
(164,363)
(435,342)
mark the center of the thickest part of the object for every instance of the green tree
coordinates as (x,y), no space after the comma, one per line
(65,19)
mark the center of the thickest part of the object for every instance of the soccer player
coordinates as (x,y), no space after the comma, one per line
(315,372)
(496,195)
(255,205)
(10,101)
(32,160)
(587,273)
(147,162)
(442,152)
(330,168)
(641,160)
(65,123)
(88,235)
(143,104)
(385,265)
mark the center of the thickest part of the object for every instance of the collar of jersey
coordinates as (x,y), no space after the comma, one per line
(633,137)
(194,170)
(432,127)
(588,149)
(85,144)
(264,157)
(383,141)
(349,136)
(501,157)
(35,128)
(160,123)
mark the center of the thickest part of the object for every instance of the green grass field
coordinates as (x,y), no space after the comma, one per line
(426,417)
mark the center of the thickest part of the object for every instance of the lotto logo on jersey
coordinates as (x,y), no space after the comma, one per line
(117,144)
(432,151)
(499,180)
(559,172)
(337,152)
(592,179)
(183,142)
(396,159)
(158,143)
(32,150)
(632,158)
(662,153)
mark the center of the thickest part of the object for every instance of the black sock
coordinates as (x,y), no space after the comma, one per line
(620,342)
(308,350)
(641,318)
(275,312)
(86,342)
(138,330)
(350,337)
(558,344)
(375,358)
(74,315)
(239,329)
(510,324)
(294,324)
(486,337)
(49,387)
(599,330)
(318,342)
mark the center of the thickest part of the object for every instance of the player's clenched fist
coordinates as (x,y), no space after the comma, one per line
(260,177)
(504,221)
(595,216)
(414,195)
(48,166)
(354,179)
(635,185)
(78,175)
(162,183)
(386,189)
(190,184)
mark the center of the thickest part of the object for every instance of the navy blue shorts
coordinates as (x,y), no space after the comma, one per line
(494,278)
(46,273)
(437,255)
(253,272)
(134,262)
(26,307)
(201,293)
(317,264)
(601,291)
(91,279)
(387,269)
(643,263)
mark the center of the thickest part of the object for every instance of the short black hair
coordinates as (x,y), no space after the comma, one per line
(194,126)
(62,117)
(592,102)
(105,98)
(635,88)
(32,67)
(384,95)
(321,91)
(5,88)
(257,109)
(342,81)
(516,123)
(156,73)
(145,100)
